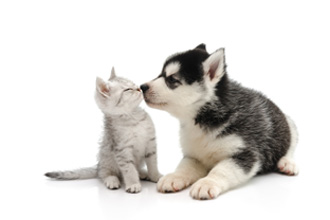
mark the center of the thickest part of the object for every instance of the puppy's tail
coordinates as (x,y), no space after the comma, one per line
(83,173)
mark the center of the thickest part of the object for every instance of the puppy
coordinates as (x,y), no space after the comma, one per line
(228,133)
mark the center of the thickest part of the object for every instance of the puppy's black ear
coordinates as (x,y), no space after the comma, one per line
(201,47)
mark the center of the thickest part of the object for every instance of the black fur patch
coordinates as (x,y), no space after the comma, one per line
(245,159)
(201,47)
(191,69)
(251,116)
(215,114)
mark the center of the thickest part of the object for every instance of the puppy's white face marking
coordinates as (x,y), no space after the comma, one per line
(180,100)
(172,68)
(184,87)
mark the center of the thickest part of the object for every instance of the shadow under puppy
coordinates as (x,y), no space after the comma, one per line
(128,142)
(228,133)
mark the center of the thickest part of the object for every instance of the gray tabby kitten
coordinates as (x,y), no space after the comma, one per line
(128,141)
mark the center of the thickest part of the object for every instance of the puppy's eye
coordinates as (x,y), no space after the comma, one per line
(172,80)
(129,89)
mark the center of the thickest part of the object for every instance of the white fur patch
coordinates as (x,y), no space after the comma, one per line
(206,148)
(224,176)
(294,137)
(172,68)
(287,164)
(183,102)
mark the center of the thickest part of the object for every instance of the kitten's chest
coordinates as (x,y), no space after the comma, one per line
(135,134)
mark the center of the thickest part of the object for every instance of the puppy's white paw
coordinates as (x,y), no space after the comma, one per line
(205,189)
(172,183)
(288,166)
(112,182)
(134,188)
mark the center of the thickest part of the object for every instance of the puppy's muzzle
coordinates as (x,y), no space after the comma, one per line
(144,87)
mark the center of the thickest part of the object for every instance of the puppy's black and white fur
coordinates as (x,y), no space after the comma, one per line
(228,133)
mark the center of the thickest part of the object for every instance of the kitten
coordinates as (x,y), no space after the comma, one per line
(128,141)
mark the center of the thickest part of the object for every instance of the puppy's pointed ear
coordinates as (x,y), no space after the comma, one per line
(113,74)
(215,66)
(201,47)
(102,87)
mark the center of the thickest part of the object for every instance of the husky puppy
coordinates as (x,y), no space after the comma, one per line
(228,133)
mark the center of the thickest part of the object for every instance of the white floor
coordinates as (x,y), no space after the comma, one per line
(272,197)
(51,52)
(26,193)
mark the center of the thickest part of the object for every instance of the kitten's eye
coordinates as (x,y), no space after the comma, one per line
(129,89)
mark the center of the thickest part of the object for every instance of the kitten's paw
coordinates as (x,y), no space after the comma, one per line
(205,189)
(112,182)
(155,178)
(288,166)
(134,188)
(143,175)
(149,177)
(172,183)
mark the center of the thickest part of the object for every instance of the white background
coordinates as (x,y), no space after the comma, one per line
(51,52)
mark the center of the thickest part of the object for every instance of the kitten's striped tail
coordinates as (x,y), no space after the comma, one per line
(83,173)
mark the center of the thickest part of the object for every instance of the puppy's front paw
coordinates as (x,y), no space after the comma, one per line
(134,188)
(205,189)
(172,183)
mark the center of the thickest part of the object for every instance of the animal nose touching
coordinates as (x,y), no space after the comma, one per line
(144,87)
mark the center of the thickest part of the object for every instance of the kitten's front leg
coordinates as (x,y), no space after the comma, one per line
(125,160)
(151,161)
(188,172)
(109,179)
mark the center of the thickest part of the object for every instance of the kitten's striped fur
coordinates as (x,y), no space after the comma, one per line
(128,142)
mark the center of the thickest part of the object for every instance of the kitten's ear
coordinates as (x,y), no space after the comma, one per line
(102,87)
(113,74)
(201,47)
(215,66)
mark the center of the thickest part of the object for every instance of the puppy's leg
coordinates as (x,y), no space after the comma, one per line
(188,172)
(224,176)
(287,164)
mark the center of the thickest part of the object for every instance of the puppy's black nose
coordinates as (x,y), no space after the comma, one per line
(144,87)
